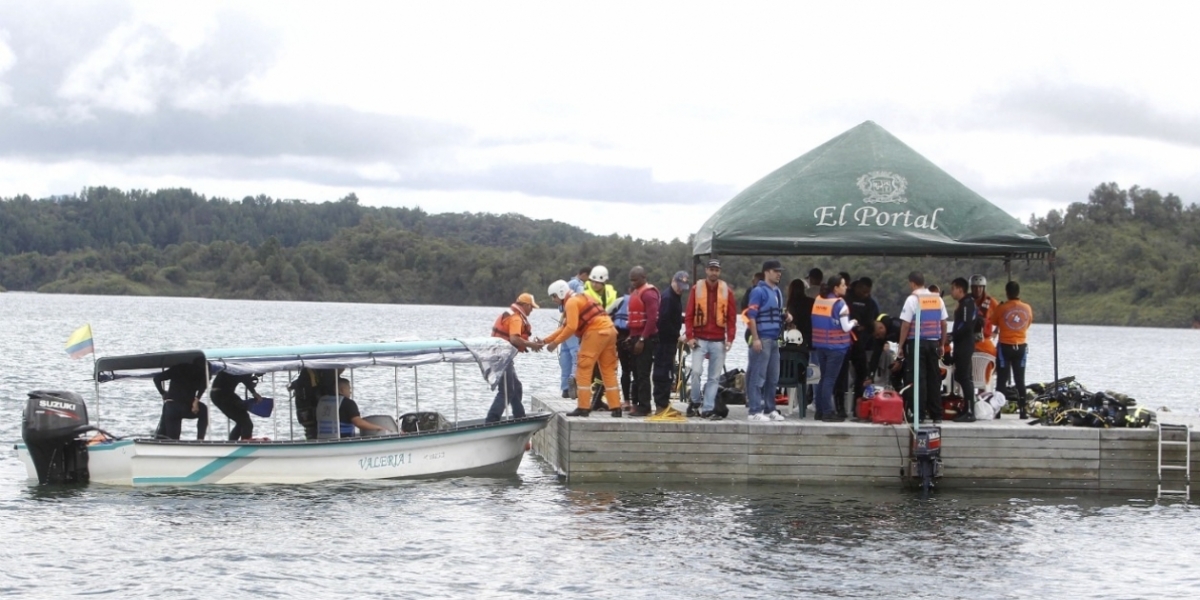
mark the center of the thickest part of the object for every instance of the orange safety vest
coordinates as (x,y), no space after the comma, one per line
(984,306)
(701,292)
(500,327)
(637,308)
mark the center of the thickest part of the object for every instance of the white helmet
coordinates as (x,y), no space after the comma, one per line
(559,289)
(599,274)
(979,280)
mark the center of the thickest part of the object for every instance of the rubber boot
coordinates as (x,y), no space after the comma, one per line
(579,412)
(616,412)
(572,389)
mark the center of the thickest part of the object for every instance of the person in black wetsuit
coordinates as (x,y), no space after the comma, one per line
(962,335)
(181,399)
(224,397)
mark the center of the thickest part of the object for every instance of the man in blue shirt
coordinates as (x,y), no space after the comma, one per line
(767,317)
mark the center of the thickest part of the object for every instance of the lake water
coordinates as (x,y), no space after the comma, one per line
(533,535)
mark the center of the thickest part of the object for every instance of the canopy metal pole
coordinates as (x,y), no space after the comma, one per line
(917,368)
(396,388)
(1054,311)
(454,379)
(291,417)
(275,415)
(416,389)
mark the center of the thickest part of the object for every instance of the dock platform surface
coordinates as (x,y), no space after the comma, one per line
(1004,453)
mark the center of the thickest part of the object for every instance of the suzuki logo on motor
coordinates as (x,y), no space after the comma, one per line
(56,404)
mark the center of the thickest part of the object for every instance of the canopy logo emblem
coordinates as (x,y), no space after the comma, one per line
(882,187)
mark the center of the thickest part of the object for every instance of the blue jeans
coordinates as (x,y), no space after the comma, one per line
(715,351)
(508,392)
(568,356)
(830,362)
(762,377)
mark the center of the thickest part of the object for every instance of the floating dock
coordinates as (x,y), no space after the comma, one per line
(994,454)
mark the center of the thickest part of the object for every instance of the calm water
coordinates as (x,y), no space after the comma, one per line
(532,535)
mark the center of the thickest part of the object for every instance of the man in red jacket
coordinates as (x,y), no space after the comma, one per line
(710,323)
(643,337)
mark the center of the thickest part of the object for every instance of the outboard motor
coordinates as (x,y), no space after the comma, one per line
(50,426)
(925,462)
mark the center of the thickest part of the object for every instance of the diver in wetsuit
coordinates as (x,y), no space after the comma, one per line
(181,399)
(224,396)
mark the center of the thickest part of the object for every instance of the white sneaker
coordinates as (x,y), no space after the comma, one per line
(774,416)
(758,417)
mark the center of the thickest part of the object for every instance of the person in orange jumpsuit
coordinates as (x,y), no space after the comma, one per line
(584,317)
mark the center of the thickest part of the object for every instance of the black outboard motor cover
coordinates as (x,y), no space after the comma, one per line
(50,427)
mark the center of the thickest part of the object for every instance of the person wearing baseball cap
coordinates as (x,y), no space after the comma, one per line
(767,317)
(513,325)
(711,321)
(670,321)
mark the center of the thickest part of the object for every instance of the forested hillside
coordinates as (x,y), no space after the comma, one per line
(1125,257)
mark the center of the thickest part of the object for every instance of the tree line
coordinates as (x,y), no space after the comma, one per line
(1125,257)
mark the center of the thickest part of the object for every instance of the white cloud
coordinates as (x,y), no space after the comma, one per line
(628,117)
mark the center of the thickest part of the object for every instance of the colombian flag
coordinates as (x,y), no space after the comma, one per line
(80,342)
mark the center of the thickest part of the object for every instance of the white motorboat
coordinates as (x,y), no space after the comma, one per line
(60,446)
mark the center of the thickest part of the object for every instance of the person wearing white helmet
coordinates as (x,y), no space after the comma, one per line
(602,291)
(983,302)
(568,352)
(586,319)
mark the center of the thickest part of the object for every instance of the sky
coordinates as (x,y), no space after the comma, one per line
(634,118)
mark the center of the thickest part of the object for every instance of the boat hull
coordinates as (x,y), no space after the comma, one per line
(493,449)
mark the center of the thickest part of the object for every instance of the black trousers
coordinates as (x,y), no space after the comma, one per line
(1010,360)
(173,414)
(664,370)
(642,365)
(231,405)
(931,380)
(963,373)
(625,358)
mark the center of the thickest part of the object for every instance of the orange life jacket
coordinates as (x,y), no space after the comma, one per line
(500,327)
(590,310)
(701,292)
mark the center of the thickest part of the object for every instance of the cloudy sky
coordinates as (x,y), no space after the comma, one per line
(637,118)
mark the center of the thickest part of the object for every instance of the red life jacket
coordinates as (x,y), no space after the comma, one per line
(637,308)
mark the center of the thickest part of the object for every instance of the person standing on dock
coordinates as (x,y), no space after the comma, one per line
(586,319)
(1012,319)
(710,326)
(984,303)
(513,325)
(962,335)
(568,354)
(831,326)
(643,338)
(766,318)
(927,306)
(670,321)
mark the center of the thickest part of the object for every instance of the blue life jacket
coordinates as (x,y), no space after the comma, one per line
(827,324)
(931,308)
(621,316)
(769,319)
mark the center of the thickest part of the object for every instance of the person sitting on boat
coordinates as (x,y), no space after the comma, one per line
(348,415)
(181,399)
(224,397)
(586,319)
(513,325)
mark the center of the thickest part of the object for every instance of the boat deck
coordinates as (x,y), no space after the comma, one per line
(1004,453)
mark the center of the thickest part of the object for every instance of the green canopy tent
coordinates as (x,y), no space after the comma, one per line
(865,192)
